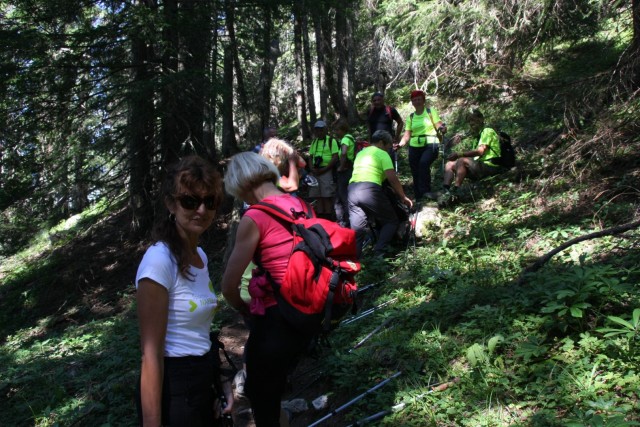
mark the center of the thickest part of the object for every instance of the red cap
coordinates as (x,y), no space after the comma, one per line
(418,93)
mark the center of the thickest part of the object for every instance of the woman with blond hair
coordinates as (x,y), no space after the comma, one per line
(286,160)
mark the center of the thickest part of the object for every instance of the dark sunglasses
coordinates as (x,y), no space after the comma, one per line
(191,203)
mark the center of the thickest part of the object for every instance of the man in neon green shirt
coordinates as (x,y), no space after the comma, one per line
(476,163)
(323,157)
(372,166)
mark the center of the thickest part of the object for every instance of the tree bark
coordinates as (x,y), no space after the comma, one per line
(229,144)
(300,95)
(308,68)
(196,34)
(141,134)
(322,80)
(170,133)
(270,54)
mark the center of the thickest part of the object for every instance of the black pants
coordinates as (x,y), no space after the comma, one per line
(272,350)
(420,160)
(187,391)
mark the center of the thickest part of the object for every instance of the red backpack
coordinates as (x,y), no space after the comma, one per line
(318,287)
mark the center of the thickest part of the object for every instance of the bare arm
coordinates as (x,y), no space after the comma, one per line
(343,157)
(247,238)
(397,186)
(405,138)
(472,153)
(153,311)
(290,183)
(399,128)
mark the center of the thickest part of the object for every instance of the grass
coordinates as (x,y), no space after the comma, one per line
(561,348)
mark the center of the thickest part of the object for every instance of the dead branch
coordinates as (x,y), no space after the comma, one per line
(618,229)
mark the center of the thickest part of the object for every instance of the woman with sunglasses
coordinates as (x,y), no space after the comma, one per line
(176,302)
(273,346)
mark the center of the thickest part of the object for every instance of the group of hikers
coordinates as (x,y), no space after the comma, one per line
(175,296)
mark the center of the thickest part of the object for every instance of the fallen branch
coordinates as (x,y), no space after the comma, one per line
(618,229)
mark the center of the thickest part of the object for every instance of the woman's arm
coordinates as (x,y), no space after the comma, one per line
(290,183)
(405,138)
(391,176)
(153,311)
(247,238)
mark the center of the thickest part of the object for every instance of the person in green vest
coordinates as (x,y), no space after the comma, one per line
(323,158)
(423,133)
(476,163)
(345,168)
(367,199)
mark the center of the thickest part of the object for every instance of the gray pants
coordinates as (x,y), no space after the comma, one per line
(342,198)
(366,201)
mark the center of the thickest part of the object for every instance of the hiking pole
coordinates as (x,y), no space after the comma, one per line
(370,418)
(372,333)
(354,400)
(368,312)
(399,407)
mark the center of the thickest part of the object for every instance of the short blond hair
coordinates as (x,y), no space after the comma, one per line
(247,171)
(278,152)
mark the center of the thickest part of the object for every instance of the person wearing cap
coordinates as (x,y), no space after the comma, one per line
(345,168)
(423,133)
(367,198)
(323,155)
(381,117)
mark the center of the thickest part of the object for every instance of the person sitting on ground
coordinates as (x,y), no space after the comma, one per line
(274,345)
(423,133)
(367,199)
(287,160)
(476,163)
(345,168)
(176,303)
(323,157)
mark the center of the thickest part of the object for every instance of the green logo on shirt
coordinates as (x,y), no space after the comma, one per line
(192,306)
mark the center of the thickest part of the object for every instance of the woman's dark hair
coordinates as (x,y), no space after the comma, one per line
(193,173)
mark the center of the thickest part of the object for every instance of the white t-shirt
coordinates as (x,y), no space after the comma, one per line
(192,301)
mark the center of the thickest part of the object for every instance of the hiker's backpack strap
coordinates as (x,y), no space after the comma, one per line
(278,212)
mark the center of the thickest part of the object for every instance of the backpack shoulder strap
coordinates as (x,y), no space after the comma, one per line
(277,212)
(387,109)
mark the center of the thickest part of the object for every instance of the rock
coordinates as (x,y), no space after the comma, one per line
(320,402)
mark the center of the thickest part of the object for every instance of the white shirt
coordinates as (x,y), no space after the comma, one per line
(192,301)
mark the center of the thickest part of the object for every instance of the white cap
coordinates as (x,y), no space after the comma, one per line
(320,124)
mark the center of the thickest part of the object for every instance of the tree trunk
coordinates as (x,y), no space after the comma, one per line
(195,30)
(270,54)
(141,133)
(322,80)
(635,47)
(300,95)
(170,133)
(342,78)
(327,54)
(229,144)
(209,130)
(308,68)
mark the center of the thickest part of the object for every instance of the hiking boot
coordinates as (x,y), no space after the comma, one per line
(429,196)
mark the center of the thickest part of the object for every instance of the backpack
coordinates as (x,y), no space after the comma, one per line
(387,112)
(318,287)
(507,157)
(361,144)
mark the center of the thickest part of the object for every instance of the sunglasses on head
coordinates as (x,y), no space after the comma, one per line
(191,203)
